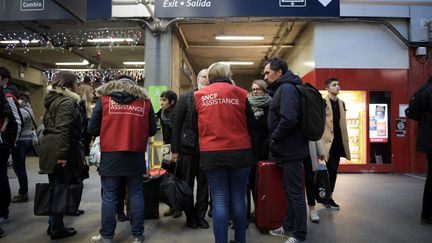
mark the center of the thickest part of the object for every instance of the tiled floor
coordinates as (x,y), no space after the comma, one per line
(374,208)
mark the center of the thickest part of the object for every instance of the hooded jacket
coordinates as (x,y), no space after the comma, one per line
(287,143)
(63,126)
(126,162)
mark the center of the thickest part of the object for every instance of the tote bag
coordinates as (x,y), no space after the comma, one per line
(53,199)
(322,184)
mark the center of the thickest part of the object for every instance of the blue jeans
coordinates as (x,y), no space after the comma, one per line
(19,158)
(228,189)
(295,216)
(5,192)
(110,192)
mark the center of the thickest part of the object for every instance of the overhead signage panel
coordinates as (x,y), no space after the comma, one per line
(22,10)
(246,8)
(78,8)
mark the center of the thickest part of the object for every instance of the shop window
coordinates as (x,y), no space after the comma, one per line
(355,104)
(379,127)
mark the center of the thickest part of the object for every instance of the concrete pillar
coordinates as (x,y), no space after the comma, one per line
(157,58)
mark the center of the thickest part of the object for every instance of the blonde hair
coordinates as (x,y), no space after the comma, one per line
(219,70)
(262,84)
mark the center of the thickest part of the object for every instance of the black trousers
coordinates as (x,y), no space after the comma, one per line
(309,176)
(427,194)
(5,192)
(189,170)
(333,164)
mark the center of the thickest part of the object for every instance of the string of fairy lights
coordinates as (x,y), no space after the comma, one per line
(112,38)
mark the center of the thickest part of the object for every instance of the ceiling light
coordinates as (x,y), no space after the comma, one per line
(133,63)
(239,37)
(111,40)
(19,41)
(83,63)
(10,42)
(237,63)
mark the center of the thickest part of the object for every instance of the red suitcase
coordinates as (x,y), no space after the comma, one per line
(270,208)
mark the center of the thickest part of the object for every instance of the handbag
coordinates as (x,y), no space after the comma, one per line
(174,192)
(322,184)
(95,155)
(51,199)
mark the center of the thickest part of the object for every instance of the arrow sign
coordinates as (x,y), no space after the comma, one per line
(325,2)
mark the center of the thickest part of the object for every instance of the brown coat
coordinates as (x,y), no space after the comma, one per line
(328,135)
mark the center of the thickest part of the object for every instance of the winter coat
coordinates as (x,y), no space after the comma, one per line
(259,134)
(327,138)
(184,136)
(7,138)
(287,143)
(122,163)
(424,132)
(63,126)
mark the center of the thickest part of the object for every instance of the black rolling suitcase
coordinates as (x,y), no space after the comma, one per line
(151,192)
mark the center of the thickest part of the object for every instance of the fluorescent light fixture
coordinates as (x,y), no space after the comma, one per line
(17,41)
(239,37)
(111,40)
(83,63)
(237,63)
(133,63)
(10,42)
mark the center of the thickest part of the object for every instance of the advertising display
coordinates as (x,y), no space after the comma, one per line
(355,105)
(378,123)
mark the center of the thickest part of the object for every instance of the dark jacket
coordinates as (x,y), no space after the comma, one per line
(424,137)
(166,126)
(120,163)
(259,136)
(7,138)
(184,136)
(63,126)
(287,143)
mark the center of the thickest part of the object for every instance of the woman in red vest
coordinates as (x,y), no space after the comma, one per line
(224,115)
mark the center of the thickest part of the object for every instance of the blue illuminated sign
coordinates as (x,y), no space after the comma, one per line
(246,8)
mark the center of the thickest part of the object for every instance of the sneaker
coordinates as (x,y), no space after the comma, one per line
(169,212)
(314,217)
(3,219)
(139,239)
(20,198)
(280,232)
(332,204)
(294,240)
(100,239)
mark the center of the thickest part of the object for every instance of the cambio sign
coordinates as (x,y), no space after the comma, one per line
(32,5)
(246,8)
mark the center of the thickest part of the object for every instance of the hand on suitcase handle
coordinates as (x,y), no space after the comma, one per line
(174,157)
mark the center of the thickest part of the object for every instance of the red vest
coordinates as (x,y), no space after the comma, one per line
(125,127)
(222,121)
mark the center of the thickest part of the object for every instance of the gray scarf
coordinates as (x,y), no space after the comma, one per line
(258,103)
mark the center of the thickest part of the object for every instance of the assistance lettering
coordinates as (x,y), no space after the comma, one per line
(213,99)
(130,109)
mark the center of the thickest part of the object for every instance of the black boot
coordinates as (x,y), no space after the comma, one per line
(63,234)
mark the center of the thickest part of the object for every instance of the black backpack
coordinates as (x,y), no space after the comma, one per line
(312,111)
(415,109)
